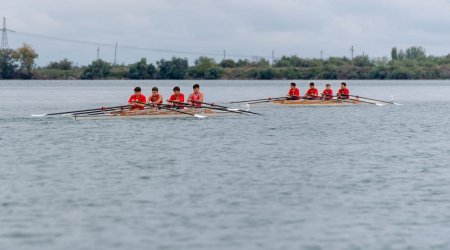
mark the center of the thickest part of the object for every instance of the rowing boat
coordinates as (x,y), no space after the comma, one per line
(317,103)
(151,114)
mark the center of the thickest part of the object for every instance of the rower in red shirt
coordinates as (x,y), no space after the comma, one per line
(343,92)
(327,93)
(176,98)
(294,92)
(312,92)
(196,97)
(156,99)
(138,100)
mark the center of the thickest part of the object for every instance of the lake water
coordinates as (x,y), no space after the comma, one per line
(358,177)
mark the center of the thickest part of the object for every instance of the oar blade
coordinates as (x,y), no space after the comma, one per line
(38,115)
(200,116)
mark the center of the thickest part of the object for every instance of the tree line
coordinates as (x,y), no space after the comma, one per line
(411,63)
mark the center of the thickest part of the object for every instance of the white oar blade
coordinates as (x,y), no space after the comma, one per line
(380,104)
(232,109)
(200,116)
(398,104)
(38,115)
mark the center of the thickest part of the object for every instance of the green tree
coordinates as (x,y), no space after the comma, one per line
(228,63)
(205,68)
(394,54)
(362,61)
(8,63)
(266,74)
(415,53)
(242,63)
(173,69)
(26,56)
(140,70)
(151,71)
(261,62)
(64,64)
(213,73)
(401,55)
(98,69)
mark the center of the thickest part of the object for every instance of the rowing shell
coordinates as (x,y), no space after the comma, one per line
(150,114)
(317,103)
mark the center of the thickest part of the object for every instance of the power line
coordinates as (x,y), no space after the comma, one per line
(134,47)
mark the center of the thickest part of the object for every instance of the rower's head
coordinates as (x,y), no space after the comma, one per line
(328,86)
(137,91)
(343,85)
(311,85)
(176,90)
(292,85)
(155,91)
(196,88)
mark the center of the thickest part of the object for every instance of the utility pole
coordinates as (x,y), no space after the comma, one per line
(4,35)
(273,56)
(98,52)
(115,55)
(352,49)
(224,54)
(321,53)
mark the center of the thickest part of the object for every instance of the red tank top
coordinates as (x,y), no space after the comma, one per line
(155,98)
(196,97)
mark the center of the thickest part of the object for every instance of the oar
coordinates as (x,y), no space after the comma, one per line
(80,111)
(168,107)
(394,103)
(255,100)
(374,103)
(207,107)
(344,100)
(182,112)
(225,108)
(236,111)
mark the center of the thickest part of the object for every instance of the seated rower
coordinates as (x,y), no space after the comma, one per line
(156,99)
(343,92)
(196,97)
(294,92)
(177,98)
(327,93)
(137,100)
(312,92)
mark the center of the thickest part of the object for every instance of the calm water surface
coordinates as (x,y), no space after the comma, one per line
(360,177)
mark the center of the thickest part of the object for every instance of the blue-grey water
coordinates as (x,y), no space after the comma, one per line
(358,177)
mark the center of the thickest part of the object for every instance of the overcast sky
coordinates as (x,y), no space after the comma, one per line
(241,27)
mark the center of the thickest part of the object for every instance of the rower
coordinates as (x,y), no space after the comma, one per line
(327,93)
(177,98)
(294,92)
(196,97)
(312,92)
(343,92)
(156,99)
(137,100)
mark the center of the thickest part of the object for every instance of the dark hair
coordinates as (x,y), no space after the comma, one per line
(176,88)
(293,84)
(196,86)
(155,89)
(311,84)
(137,89)
(343,83)
(328,84)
